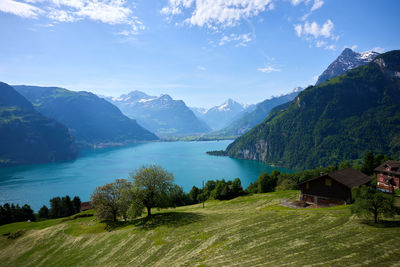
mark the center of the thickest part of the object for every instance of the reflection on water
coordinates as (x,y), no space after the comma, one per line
(189,163)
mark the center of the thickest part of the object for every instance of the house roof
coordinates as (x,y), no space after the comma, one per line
(86,205)
(394,165)
(348,177)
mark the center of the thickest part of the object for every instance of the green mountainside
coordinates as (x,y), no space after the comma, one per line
(93,121)
(26,136)
(338,120)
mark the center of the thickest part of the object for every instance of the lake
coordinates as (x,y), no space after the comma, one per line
(36,184)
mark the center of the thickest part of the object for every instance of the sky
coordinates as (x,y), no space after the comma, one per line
(200,51)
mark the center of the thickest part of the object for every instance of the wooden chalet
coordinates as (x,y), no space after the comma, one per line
(332,188)
(388,176)
(86,206)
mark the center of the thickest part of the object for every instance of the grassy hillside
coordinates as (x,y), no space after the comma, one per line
(246,231)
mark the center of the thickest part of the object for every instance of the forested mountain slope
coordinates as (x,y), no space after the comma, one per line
(340,119)
(26,136)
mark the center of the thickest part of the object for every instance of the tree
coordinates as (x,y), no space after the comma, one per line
(55,207)
(209,187)
(27,213)
(44,212)
(237,187)
(369,164)
(178,197)
(111,200)
(194,192)
(151,186)
(76,203)
(217,192)
(67,208)
(266,183)
(369,202)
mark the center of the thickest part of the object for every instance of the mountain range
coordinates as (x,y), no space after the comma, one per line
(162,115)
(248,120)
(222,115)
(28,137)
(346,61)
(93,121)
(340,119)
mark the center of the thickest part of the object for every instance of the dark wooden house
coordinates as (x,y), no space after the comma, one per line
(388,176)
(86,206)
(333,188)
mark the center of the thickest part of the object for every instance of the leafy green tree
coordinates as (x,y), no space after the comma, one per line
(7,215)
(193,194)
(216,193)
(55,207)
(111,200)
(370,202)
(286,184)
(67,208)
(369,164)
(266,183)
(151,185)
(27,213)
(44,212)
(237,187)
(76,203)
(208,188)
(252,188)
(178,197)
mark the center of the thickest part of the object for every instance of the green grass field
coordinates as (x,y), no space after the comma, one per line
(246,231)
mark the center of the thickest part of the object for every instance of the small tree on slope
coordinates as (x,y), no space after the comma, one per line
(369,202)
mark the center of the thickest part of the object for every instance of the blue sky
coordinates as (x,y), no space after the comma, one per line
(200,51)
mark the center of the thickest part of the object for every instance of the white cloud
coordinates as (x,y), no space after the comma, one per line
(201,68)
(320,35)
(296,2)
(378,49)
(317,4)
(20,9)
(213,13)
(239,39)
(268,69)
(330,47)
(320,43)
(61,16)
(315,30)
(354,47)
(114,12)
(299,29)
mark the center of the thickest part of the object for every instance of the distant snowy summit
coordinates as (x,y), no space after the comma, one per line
(347,60)
(220,116)
(162,115)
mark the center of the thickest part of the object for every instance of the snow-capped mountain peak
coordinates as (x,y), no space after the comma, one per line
(346,61)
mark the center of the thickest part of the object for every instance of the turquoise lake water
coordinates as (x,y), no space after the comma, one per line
(36,184)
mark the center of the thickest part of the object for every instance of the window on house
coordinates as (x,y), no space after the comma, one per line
(328,182)
(307,185)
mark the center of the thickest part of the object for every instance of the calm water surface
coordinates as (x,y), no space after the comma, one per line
(36,184)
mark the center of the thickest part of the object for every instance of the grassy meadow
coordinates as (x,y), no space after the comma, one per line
(247,231)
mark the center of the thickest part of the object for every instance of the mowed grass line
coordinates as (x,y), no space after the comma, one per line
(246,231)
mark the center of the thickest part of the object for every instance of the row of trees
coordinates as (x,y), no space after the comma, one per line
(60,207)
(15,213)
(153,187)
(218,189)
